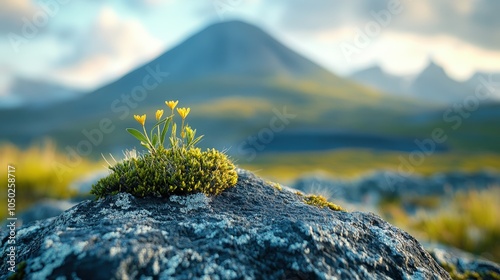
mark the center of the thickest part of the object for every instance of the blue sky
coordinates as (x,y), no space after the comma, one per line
(85,44)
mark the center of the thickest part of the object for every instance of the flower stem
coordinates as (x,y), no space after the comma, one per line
(147,137)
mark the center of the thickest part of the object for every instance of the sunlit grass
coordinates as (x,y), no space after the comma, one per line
(468,221)
(36,175)
(348,164)
(232,106)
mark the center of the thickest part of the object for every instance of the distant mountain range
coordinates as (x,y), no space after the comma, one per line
(36,93)
(237,79)
(432,84)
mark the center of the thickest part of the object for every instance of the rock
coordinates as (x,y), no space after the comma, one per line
(253,230)
(463,265)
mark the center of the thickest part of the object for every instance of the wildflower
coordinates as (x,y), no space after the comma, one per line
(140,119)
(171,104)
(183,112)
(159,113)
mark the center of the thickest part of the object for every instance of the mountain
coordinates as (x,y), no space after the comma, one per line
(485,81)
(36,93)
(235,49)
(379,79)
(434,84)
(228,54)
(236,79)
(234,75)
(431,85)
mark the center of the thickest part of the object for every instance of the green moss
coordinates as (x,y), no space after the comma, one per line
(170,171)
(321,202)
(20,272)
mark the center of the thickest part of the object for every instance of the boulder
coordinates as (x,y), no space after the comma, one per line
(256,230)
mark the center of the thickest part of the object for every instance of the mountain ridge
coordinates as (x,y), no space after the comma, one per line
(432,84)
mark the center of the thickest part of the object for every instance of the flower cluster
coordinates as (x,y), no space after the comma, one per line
(154,141)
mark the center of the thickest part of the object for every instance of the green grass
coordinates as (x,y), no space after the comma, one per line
(232,106)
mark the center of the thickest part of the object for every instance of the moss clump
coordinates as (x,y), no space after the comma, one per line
(322,202)
(169,172)
(179,169)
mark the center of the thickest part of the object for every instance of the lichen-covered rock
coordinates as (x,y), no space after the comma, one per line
(253,230)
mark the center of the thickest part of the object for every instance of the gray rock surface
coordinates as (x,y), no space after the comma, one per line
(251,231)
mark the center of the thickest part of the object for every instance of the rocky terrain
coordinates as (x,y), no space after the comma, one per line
(390,184)
(254,230)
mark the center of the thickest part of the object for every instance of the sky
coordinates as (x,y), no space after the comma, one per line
(85,44)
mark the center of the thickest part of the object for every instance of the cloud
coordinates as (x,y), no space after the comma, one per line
(12,13)
(411,52)
(148,4)
(106,50)
(475,21)
(136,5)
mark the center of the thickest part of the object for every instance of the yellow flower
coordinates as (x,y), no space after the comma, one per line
(140,119)
(159,113)
(183,112)
(171,104)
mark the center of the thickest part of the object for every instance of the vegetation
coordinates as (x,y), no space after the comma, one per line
(353,163)
(39,174)
(466,275)
(275,185)
(467,221)
(179,169)
(321,202)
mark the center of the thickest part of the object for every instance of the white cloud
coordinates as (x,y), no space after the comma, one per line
(471,20)
(108,49)
(406,53)
(400,53)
